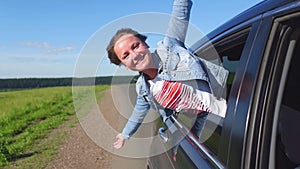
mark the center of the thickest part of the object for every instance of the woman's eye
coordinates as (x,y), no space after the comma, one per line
(136,45)
(125,55)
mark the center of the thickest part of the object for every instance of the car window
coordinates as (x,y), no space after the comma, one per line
(225,52)
(288,127)
(274,142)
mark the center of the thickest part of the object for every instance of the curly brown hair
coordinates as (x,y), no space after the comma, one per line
(124,31)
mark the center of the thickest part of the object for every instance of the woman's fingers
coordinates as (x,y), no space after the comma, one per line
(119,141)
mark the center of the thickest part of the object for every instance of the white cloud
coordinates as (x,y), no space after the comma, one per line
(37,44)
(49,49)
(60,50)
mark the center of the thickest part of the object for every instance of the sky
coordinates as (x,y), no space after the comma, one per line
(63,38)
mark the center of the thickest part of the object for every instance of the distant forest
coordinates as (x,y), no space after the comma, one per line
(21,83)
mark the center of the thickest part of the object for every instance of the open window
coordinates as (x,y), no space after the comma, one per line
(227,52)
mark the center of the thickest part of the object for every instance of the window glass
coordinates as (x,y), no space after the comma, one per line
(288,137)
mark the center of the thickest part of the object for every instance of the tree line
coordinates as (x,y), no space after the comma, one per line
(21,83)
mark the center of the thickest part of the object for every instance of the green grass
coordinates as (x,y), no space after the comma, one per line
(28,116)
(11,100)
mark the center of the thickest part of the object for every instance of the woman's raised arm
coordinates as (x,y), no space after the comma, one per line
(179,22)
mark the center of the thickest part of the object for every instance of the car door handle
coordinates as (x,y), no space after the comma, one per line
(164,136)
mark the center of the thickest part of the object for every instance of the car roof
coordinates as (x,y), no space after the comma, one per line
(246,15)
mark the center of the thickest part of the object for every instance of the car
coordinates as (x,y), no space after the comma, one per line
(261,49)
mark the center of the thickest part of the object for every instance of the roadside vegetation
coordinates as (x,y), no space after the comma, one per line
(27,117)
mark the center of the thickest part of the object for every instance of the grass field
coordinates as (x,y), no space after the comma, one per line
(28,116)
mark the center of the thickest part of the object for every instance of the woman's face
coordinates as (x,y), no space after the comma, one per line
(133,53)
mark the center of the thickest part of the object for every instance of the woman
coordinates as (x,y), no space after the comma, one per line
(171,62)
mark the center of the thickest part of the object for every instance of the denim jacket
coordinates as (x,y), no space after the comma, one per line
(174,63)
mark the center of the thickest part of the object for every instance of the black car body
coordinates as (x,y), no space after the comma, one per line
(261,49)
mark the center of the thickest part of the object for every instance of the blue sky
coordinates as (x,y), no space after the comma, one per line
(46,38)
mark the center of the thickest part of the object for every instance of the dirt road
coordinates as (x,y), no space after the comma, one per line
(81,150)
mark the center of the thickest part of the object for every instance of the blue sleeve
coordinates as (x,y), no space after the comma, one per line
(140,110)
(179,22)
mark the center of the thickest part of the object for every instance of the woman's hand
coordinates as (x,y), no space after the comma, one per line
(120,140)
